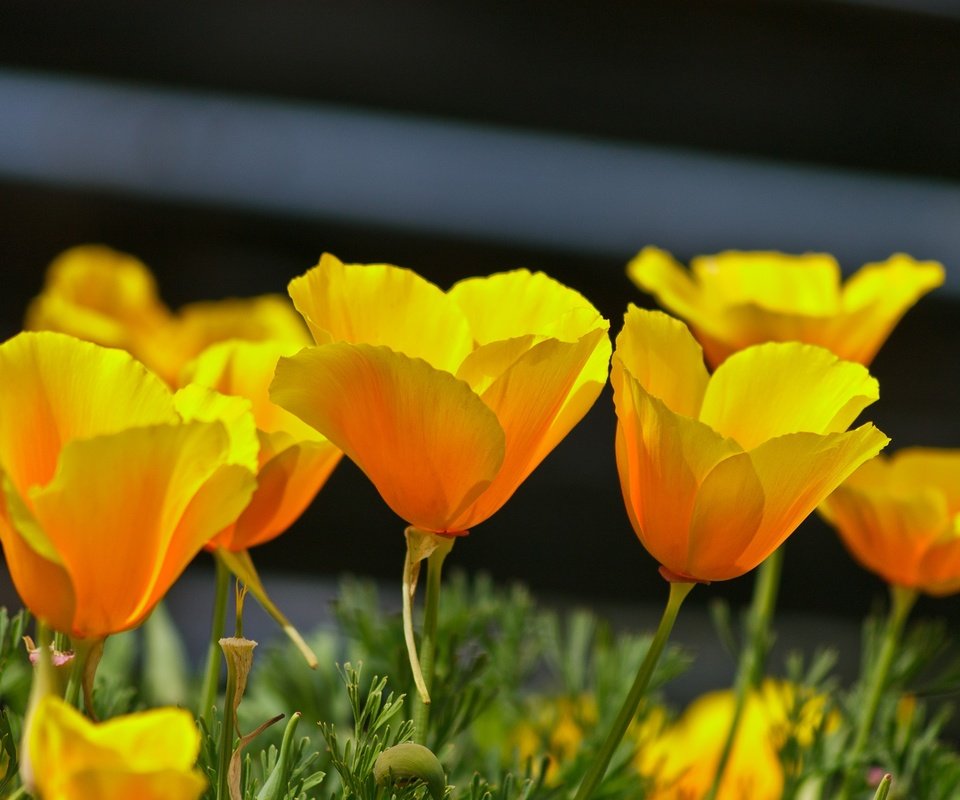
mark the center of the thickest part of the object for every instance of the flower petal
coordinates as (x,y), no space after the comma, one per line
(663,357)
(662,459)
(876,297)
(807,284)
(124,513)
(286,485)
(424,439)
(798,471)
(382,304)
(537,305)
(194,402)
(35,566)
(778,388)
(888,534)
(57,388)
(246,368)
(537,401)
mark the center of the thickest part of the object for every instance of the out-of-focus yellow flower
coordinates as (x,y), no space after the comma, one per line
(681,762)
(147,756)
(110,483)
(717,471)
(110,298)
(294,460)
(447,401)
(734,299)
(554,727)
(900,518)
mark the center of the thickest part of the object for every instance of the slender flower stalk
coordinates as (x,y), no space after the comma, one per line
(753,655)
(211,674)
(678,592)
(901,602)
(428,642)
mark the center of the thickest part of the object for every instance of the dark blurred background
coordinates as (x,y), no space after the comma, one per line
(227,144)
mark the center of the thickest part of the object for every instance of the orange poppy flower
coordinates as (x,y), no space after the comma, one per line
(732,300)
(149,755)
(110,298)
(898,517)
(717,471)
(110,483)
(447,401)
(294,460)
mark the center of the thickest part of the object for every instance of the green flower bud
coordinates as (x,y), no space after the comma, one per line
(409,763)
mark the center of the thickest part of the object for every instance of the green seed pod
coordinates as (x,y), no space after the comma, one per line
(409,763)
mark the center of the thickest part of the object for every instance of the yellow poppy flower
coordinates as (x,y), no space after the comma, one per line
(294,460)
(110,298)
(717,471)
(732,300)
(681,762)
(446,400)
(110,483)
(900,518)
(149,755)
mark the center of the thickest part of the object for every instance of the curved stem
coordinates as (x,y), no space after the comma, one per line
(753,655)
(211,674)
(428,642)
(678,592)
(901,602)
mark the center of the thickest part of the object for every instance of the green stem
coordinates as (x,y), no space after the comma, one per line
(678,592)
(229,723)
(753,656)
(428,642)
(72,693)
(901,602)
(211,674)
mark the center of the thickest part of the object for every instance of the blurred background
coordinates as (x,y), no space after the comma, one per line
(228,144)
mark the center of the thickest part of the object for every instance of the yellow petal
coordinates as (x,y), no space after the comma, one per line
(664,358)
(129,756)
(537,401)
(286,485)
(57,388)
(888,534)
(122,512)
(876,297)
(797,472)
(727,514)
(246,369)
(662,459)
(195,402)
(35,566)
(657,272)
(797,284)
(262,318)
(779,388)
(917,468)
(98,294)
(424,439)
(382,304)
(537,305)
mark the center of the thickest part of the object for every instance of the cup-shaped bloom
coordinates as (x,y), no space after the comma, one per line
(717,471)
(735,299)
(110,482)
(294,460)
(681,761)
(110,298)
(446,400)
(149,755)
(900,518)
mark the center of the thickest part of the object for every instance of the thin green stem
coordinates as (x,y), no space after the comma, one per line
(211,674)
(229,723)
(678,592)
(753,656)
(901,602)
(72,693)
(428,641)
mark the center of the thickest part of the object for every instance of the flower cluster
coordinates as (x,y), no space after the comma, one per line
(132,437)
